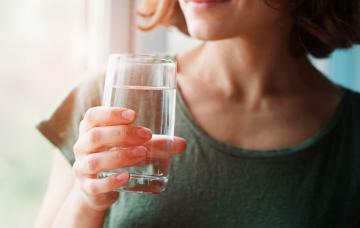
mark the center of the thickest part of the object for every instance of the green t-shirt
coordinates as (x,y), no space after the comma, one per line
(313,184)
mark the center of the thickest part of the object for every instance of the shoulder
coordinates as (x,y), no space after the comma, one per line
(85,93)
(88,91)
(91,83)
(61,128)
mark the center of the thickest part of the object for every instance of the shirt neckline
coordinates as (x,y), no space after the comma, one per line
(273,153)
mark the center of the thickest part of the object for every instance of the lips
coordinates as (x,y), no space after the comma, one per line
(205,5)
(206,1)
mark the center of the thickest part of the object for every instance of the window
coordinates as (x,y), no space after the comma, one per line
(344,67)
(40,58)
(46,46)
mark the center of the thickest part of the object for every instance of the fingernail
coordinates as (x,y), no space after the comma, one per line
(139,151)
(122,176)
(144,133)
(128,114)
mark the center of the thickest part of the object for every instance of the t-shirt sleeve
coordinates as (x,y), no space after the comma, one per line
(62,127)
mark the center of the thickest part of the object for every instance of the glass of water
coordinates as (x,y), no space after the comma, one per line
(147,85)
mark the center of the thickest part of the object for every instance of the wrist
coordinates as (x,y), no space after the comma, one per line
(84,206)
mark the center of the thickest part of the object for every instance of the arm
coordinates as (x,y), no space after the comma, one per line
(61,181)
(75,197)
(62,205)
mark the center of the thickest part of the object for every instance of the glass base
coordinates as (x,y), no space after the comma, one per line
(141,183)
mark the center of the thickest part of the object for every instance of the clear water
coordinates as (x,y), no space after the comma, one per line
(155,109)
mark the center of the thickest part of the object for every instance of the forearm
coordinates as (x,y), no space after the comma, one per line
(75,213)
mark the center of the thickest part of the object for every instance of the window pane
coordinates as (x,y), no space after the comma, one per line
(41,54)
(344,67)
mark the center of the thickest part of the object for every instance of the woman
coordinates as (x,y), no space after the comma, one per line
(270,141)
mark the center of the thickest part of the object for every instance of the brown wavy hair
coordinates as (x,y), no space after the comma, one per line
(320,27)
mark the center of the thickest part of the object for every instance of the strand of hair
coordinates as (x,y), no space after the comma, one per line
(159,16)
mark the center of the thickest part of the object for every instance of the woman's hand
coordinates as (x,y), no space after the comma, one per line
(107,141)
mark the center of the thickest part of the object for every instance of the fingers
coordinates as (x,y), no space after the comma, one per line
(179,145)
(173,145)
(163,147)
(93,187)
(104,200)
(106,116)
(112,136)
(108,142)
(113,159)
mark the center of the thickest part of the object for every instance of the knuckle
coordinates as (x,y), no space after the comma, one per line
(92,188)
(122,132)
(92,163)
(94,136)
(75,168)
(76,148)
(114,113)
(98,197)
(119,155)
(82,126)
(89,114)
(134,131)
(111,182)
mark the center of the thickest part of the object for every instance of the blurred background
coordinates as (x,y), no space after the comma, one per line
(46,47)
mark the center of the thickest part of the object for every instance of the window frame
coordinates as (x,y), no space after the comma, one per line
(111,29)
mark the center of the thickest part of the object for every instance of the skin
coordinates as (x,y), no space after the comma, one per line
(243,86)
(75,197)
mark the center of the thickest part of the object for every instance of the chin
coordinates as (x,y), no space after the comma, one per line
(208,19)
(224,19)
(208,32)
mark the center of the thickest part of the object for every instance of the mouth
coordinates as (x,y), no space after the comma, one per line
(200,5)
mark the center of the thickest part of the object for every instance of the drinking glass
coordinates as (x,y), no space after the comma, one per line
(147,85)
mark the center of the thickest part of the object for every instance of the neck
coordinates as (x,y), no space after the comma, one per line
(248,66)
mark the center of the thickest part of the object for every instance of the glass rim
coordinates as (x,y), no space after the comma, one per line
(135,58)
